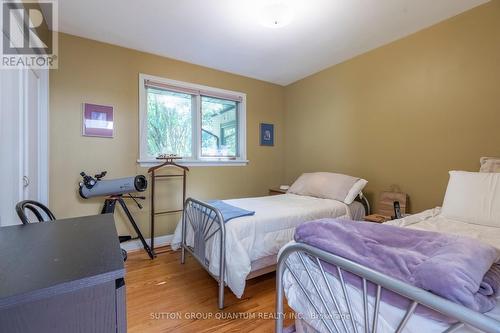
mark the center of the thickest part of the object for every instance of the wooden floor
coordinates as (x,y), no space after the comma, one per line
(165,296)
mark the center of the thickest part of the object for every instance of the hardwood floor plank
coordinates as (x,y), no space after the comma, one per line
(165,296)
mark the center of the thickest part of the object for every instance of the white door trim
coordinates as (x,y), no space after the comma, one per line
(43,130)
(43,133)
(21,140)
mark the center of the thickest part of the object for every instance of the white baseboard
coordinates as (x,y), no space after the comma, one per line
(135,245)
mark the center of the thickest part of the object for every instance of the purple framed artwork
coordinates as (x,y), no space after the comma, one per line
(98,120)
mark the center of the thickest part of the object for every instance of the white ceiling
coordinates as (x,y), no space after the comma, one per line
(227,35)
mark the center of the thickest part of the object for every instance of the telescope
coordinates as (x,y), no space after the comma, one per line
(115,190)
(95,187)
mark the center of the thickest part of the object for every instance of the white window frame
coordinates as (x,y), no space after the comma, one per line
(197,160)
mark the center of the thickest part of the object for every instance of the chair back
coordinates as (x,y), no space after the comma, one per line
(38,209)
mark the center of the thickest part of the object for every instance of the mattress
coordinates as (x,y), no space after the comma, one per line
(250,238)
(390,316)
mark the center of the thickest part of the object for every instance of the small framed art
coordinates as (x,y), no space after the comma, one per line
(98,120)
(266,134)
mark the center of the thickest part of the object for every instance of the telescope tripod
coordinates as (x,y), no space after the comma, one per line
(109,207)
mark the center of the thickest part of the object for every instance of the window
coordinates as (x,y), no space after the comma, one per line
(169,123)
(203,125)
(219,127)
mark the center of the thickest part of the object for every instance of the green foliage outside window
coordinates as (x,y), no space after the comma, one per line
(169,123)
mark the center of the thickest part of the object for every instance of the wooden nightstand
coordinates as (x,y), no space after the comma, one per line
(376,218)
(276,191)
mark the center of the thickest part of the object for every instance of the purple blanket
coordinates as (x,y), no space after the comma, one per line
(460,269)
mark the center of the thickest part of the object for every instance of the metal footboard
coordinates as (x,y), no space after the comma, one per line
(206,222)
(309,256)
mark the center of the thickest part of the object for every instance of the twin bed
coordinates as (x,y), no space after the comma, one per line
(296,282)
(247,246)
(326,302)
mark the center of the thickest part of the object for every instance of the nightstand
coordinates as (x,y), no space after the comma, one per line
(276,191)
(376,218)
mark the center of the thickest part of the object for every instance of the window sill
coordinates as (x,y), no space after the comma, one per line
(196,163)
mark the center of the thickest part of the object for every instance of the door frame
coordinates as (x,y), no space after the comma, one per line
(43,133)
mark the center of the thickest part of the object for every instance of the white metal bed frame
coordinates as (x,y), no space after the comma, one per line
(310,256)
(207,221)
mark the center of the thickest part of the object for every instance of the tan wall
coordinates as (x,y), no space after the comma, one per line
(405,113)
(100,73)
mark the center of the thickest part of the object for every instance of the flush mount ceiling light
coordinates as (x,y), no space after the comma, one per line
(276,14)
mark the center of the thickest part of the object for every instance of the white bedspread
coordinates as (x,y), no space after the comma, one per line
(430,220)
(253,237)
(389,315)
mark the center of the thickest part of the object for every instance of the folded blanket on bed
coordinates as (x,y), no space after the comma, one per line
(228,211)
(457,268)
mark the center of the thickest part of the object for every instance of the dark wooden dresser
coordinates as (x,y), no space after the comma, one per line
(62,277)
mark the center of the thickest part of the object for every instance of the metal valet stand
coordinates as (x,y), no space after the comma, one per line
(169,161)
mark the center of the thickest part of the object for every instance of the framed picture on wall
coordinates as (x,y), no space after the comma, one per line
(98,120)
(266,134)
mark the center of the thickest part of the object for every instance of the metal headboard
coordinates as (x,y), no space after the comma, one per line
(310,256)
(361,198)
(206,221)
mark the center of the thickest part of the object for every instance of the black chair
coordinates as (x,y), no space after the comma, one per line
(36,208)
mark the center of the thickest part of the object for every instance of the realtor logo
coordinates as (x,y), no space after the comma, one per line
(29,34)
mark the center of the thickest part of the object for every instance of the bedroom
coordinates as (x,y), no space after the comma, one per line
(397,93)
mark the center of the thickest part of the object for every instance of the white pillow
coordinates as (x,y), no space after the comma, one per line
(328,185)
(489,164)
(473,197)
(355,190)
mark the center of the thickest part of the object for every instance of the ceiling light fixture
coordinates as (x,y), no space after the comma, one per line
(276,14)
